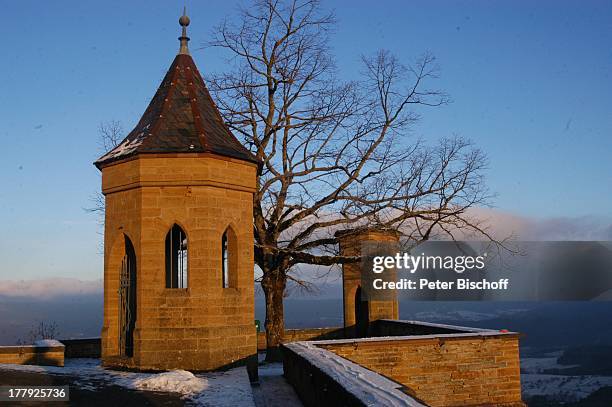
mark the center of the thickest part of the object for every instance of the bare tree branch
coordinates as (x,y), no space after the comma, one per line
(110,134)
(336,153)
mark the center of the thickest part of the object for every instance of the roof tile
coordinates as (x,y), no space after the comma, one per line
(181,118)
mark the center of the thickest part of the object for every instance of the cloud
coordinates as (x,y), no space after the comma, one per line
(49,288)
(501,224)
(582,228)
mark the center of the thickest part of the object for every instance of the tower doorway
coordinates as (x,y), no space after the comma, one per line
(361,314)
(127,300)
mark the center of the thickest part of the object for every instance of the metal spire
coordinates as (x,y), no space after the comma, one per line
(184,22)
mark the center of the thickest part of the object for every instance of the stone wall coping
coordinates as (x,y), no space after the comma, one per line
(48,343)
(11,349)
(469,333)
(181,155)
(415,338)
(326,329)
(366,385)
(93,338)
(435,325)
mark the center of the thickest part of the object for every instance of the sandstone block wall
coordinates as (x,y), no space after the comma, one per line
(32,355)
(350,245)
(444,371)
(307,334)
(204,326)
(81,348)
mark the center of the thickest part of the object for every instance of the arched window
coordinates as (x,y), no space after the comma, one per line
(228,259)
(176,258)
(224,260)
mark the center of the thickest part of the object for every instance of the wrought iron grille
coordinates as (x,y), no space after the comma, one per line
(224,261)
(124,301)
(127,300)
(176,258)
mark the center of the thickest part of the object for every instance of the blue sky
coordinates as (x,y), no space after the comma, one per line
(531,84)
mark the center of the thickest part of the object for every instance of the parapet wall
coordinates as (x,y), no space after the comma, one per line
(307,334)
(396,327)
(437,365)
(462,369)
(82,348)
(47,353)
(321,378)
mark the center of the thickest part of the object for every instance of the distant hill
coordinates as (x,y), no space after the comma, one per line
(545,326)
(77,316)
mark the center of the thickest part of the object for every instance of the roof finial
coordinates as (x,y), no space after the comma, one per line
(184,22)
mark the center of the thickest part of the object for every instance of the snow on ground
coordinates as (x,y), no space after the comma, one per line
(229,388)
(270,369)
(547,361)
(560,387)
(566,388)
(176,381)
(273,389)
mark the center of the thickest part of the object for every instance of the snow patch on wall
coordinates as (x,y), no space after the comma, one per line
(48,343)
(368,386)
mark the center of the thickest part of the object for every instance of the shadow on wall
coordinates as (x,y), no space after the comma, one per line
(90,348)
(82,348)
(308,334)
(33,355)
(381,327)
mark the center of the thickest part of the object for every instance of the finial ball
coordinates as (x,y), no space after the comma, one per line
(184,21)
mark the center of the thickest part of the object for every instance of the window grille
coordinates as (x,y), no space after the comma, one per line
(176,258)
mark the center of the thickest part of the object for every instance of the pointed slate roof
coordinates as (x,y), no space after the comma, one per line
(181,117)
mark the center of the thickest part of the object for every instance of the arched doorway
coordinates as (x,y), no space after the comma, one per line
(127,300)
(361,315)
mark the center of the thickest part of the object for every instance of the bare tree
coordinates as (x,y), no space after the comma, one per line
(43,330)
(110,134)
(336,154)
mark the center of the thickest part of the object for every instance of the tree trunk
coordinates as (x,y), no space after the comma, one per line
(273,284)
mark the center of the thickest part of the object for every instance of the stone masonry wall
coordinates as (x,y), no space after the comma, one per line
(32,355)
(204,326)
(306,334)
(350,245)
(81,348)
(444,371)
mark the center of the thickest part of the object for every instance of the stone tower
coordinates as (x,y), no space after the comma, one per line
(359,311)
(178,236)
